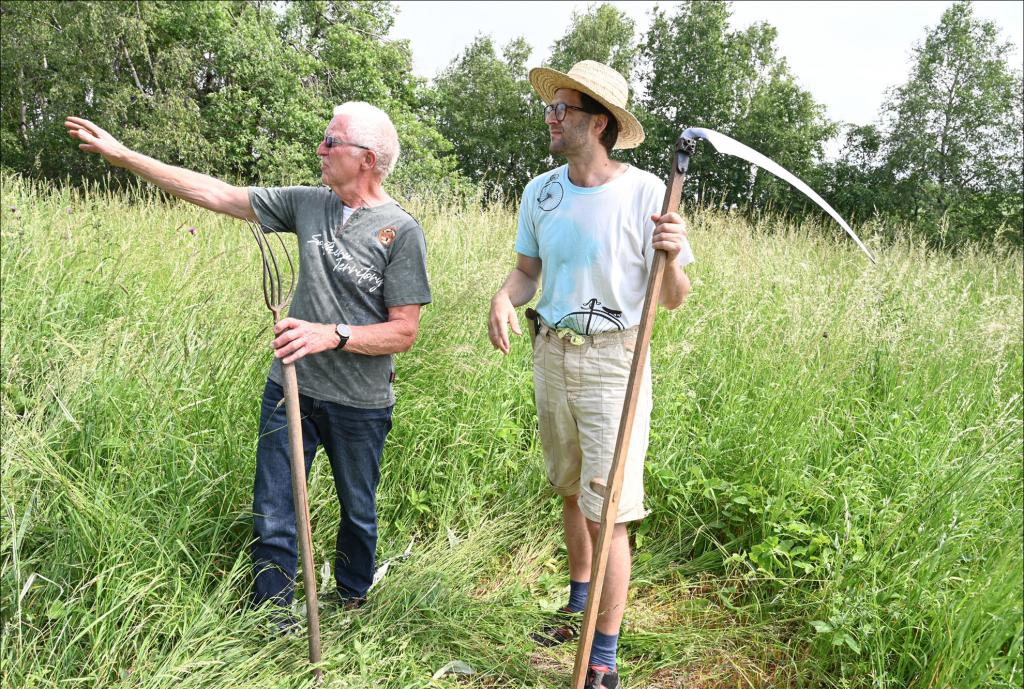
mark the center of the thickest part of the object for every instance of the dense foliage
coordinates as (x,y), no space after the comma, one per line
(242,90)
(947,154)
(484,104)
(697,71)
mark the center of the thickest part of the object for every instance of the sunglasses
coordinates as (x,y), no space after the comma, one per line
(332,142)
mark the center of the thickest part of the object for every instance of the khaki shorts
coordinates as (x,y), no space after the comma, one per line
(579,391)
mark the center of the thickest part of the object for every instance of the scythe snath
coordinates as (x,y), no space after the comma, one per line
(684,148)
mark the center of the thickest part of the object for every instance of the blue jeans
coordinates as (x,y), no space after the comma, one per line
(354,440)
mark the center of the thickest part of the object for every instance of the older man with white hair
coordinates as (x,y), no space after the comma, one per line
(363,281)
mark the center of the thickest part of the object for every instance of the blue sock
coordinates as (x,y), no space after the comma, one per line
(603,650)
(578,595)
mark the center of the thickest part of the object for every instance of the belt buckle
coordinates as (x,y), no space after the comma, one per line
(571,335)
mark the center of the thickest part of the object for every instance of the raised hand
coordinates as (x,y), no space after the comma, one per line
(95,139)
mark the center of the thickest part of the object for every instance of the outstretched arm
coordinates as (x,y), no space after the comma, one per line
(519,288)
(194,187)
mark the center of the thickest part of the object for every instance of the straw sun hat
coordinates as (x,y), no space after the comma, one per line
(600,82)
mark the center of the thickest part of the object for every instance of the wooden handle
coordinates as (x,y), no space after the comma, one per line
(613,486)
(301,502)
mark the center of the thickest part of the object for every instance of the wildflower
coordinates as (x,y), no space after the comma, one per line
(68,210)
(192,231)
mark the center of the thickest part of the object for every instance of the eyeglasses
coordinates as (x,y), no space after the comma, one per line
(331,142)
(559,110)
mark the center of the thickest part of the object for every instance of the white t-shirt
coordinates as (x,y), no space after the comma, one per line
(594,244)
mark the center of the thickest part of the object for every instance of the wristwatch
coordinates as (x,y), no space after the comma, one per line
(344,332)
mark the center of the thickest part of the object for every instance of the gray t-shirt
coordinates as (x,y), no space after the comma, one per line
(351,272)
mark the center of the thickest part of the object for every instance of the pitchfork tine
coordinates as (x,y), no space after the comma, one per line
(257,234)
(287,297)
(274,294)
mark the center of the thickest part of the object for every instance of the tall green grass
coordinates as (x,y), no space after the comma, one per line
(835,466)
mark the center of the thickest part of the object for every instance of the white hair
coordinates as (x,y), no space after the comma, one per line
(371,127)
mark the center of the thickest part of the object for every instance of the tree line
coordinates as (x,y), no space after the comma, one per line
(243,90)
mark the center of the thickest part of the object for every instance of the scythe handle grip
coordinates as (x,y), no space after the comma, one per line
(681,153)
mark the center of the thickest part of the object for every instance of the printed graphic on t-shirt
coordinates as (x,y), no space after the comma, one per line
(592,318)
(387,235)
(345,264)
(550,194)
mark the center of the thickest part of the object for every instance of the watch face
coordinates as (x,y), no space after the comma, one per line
(344,332)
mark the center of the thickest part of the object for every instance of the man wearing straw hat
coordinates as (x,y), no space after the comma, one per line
(587,235)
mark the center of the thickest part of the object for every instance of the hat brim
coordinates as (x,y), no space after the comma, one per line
(547,81)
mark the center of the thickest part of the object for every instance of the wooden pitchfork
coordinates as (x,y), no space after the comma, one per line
(612,488)
(277,298)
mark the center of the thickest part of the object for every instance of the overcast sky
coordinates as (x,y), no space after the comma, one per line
(845,53)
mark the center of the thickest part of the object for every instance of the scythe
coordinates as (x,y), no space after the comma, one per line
(684,148)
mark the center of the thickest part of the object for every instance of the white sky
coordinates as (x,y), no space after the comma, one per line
(845,53)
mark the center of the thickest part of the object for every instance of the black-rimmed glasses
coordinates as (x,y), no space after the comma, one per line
(559,110)
(332,141)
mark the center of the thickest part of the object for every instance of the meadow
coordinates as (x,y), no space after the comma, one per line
(835,469)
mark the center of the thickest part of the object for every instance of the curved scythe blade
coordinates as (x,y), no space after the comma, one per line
(729,146)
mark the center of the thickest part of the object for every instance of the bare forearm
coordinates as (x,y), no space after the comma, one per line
(519,288)
(297,338)
(203,190)
(675,286)
(391,337)
(194,187)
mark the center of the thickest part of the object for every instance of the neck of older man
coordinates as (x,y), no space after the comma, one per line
(590,166)
(364,191)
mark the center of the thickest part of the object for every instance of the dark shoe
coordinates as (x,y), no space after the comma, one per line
(565,627)
(600,677)
(333,600)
